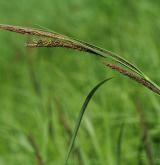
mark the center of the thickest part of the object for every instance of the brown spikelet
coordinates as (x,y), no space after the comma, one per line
(54,42)
(29,31)
(133,76)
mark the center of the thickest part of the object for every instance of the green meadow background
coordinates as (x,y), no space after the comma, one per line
(42,89)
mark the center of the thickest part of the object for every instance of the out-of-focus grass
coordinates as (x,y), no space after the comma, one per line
(128,28)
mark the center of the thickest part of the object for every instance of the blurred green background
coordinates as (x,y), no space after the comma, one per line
(42,89)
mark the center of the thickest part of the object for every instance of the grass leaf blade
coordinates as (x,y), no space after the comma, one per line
(83,108)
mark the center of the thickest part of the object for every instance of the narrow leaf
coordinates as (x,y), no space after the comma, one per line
(83,108)
(119,144)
